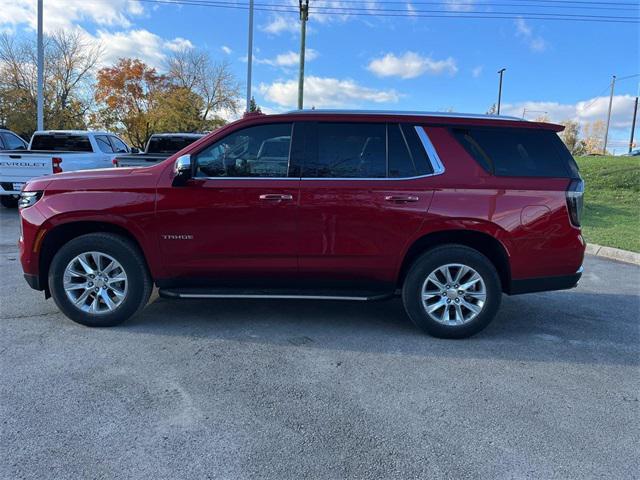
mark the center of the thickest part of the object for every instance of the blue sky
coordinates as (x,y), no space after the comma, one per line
(410,63)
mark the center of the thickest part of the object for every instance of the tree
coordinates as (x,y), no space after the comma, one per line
(492,110)
(253,106)
(571,137)
(130,93)
(213,82)
(593,136)
(69,62)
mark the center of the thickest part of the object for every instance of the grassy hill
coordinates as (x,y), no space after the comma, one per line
(612,201)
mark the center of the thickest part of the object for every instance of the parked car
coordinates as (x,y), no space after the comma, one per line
(448,211)
(159,147)
(55,151)
(632,153)
(11,141)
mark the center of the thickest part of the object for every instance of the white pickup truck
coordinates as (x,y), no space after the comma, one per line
(55,151)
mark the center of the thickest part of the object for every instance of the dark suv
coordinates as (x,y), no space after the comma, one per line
(448,211)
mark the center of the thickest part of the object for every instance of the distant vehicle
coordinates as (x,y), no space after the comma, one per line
(55,151)
(633,153)
(159,147)
(11,141)
(450,211)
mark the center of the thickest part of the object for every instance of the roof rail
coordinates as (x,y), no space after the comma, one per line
(408,113)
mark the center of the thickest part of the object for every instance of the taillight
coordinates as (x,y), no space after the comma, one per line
(56,164)
(115,162)
(575,201)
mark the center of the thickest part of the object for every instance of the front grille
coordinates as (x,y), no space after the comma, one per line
(8,186)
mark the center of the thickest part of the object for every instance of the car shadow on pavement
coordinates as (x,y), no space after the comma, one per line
(558,326)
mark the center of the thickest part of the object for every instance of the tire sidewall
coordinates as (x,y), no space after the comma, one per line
(427,263)
(120,250)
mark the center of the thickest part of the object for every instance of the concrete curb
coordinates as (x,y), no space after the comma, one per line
(613,253)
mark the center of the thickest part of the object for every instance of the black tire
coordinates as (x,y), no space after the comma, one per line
(428,262)
(127,254)
(8,201)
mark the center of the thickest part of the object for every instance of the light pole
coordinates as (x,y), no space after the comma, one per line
(304,16)
(606,131)
(249,55)
(500,72)
(40,100)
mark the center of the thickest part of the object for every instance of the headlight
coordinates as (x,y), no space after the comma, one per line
(28,199)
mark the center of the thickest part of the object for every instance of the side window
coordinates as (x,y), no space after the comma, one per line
(2,147)
(400,161)
(103,144)
(118,145)
(346,150)
(260,151)
(13,142)
(418,153)
(523,152)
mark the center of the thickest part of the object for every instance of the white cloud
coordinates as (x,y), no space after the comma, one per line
(325,92)
(535,42)
(477,71)
(411,65)
(178,44)
(583,112)
(289,59)
(226,49)
(279,24)
(142,44)
(460,5)
(65,14)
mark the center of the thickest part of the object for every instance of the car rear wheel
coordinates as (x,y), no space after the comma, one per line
(8,201)
(452,291)
(99,279)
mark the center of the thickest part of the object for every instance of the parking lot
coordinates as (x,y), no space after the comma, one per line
(292,389)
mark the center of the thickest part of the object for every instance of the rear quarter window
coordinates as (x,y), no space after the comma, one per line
(513,152)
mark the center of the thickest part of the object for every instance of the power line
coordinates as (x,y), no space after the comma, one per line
(285,8)
(530,3)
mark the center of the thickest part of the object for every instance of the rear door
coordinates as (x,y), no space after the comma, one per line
(235,222)
(361,199)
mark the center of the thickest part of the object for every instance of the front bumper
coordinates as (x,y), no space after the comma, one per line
(544,284)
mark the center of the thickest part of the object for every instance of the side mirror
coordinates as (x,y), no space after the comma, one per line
(134,150)
(182,170)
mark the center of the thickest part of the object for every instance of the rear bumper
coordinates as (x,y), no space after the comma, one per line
(544,284)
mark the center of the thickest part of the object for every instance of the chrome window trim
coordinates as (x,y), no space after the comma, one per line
(404,113)
(434,158)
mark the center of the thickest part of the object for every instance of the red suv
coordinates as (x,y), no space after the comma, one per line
(448,211)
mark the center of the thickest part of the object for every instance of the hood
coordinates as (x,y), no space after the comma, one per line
(98,179)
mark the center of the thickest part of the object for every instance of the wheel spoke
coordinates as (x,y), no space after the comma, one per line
(459,315)
(476,295)
(82,298)
(107,300)
(444,318)
(430,294)
(119,278)
(436,306)
(75,286)
(93,308)
(462,271)
(433,279)
(470,306)
(83,263)
(109,267)
(447,274)
(475,278)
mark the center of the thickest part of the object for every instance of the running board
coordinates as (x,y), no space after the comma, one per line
(271,294)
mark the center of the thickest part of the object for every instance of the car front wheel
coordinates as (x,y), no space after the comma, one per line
(99,279)
(452,291)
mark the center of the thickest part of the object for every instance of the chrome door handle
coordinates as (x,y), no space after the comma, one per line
(276,197)
(401,198)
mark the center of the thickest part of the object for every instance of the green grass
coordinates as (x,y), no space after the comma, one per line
(612,201)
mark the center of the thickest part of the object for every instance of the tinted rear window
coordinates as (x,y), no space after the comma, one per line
(168,144)
(59,143)
(518,152)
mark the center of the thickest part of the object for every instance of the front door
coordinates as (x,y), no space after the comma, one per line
(235,222)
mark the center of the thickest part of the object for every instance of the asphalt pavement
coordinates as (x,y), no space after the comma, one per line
(238,389)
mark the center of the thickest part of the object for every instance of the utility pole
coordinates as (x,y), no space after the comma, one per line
(249,54)
(40,100)
(633,124)
(501,72)
(606,132)
(304,16)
